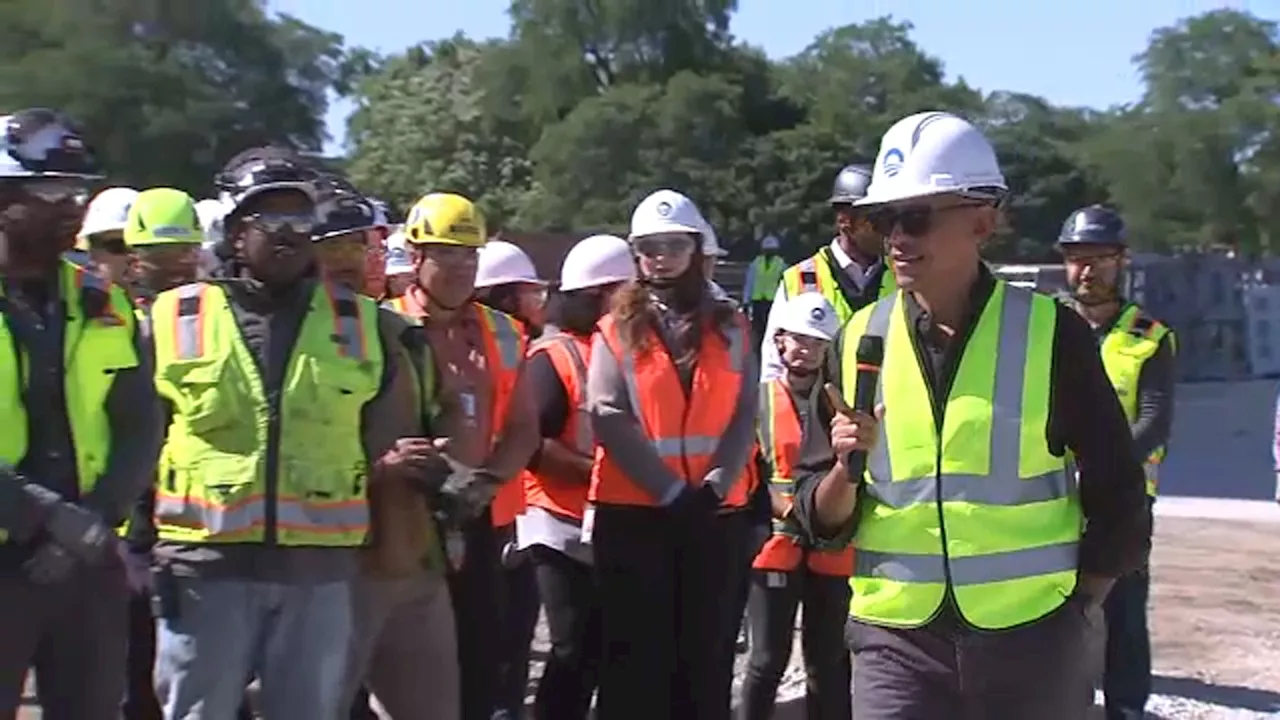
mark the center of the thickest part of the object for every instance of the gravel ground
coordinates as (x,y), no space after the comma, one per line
(1215,625)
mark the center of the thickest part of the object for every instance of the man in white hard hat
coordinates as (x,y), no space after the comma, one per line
(712,254)
(763,276)
(981,558)
(399,266)
(101,237)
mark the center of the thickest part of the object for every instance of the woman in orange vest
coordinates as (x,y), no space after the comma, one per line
(671,391)
(787,573)
(550,530)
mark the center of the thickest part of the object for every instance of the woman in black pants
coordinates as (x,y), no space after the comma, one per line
(671,392)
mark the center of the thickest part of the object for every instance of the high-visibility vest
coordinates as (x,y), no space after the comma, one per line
(766,274)
(684,428)
(816,273)
(569,355)
(97,343)
(1132,341)
(505,346)
(223,435)
(780,434)
(983,508)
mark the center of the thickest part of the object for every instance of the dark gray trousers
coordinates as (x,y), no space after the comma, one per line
(945,671)
(74,634)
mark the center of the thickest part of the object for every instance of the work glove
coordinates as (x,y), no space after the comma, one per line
(80,532)
(50,564)
(467,491)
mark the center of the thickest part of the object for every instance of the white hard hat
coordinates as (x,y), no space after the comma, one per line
(809,314)
(398,261)
(108,211)
(597,260)
(667,211)
(501,262)
(710,243)
(770,242)
(933,153)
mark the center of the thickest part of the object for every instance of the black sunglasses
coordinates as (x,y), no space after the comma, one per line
(915,220)
(273,223)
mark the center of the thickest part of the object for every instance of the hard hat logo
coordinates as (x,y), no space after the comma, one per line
(664,209)
(892,162)
(818,314)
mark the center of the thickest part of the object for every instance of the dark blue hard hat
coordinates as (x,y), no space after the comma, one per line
(1093,225)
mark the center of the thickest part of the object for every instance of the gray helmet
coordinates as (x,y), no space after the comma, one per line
(850,185)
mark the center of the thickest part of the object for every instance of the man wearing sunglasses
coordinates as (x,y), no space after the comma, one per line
(101,238)
(849,272)
(81,431)
(1138,354)
(284,396)
(981,557)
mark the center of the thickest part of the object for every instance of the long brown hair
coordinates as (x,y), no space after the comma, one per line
(635,316)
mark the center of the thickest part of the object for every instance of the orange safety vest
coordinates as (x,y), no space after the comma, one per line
(569,355)
(684,429)
(780,434)
(504,348)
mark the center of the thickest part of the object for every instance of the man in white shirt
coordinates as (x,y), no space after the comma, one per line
(848,272)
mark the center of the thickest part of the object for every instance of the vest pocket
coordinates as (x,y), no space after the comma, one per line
(205,401)
(213,496)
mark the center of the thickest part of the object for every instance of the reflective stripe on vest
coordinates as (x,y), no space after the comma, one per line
(1010,518)
(815,274)
(1134,339)
(683,429)
(505,346)
(569,356)
(98,342)
(216,488)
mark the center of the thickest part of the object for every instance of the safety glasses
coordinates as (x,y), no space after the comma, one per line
(915,220)
(275,223)
(665,244)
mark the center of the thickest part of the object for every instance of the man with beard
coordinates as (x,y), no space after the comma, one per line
(81,432)
(288,399)
(850,272)
(1138,354)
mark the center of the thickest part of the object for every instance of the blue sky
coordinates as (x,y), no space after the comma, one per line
(1073,53)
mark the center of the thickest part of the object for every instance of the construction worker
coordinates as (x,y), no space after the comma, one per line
(287,397)
(398,266)
(786,572)
(163,235)
(556,488)
(850,272)
(100,241)
(671,393)
(480,418)
(764,274)
(1138,354)
(81,432)
(712,254)
(342,242)
(507,281)
(980,564)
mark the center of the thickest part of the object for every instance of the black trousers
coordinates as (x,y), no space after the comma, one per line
(476,590)
(771,612)
(760,318)
(568,591)
(140,701)
(520,608)
(1126,682)
(666,628)
(947,671)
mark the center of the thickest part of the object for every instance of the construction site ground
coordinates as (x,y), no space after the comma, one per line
(1215,622)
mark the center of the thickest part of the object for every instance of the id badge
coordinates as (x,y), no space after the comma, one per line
(468,401)
(588,523)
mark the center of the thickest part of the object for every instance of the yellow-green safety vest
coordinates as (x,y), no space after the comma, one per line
(98,342)
(215,486)
(985,509)
(1132,341)
(766,274)
(816,274)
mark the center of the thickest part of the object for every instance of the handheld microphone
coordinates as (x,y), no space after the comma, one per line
(870,357)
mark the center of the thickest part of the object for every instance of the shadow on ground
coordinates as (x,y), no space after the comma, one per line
(1232,696)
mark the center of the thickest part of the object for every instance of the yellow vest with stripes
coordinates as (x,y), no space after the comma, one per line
(982,509)
(97,343)
(816,274)
(1133,340)
(215,487)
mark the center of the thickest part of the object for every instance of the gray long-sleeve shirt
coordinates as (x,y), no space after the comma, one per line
(618,429)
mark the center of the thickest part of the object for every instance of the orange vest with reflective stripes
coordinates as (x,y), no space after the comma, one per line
(780,437)
(569,355)
(684,428)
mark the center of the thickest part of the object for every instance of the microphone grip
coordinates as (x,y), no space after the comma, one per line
(864,401)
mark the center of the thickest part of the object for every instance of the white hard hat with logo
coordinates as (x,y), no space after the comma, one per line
(501,262)
(108,211)
(933,153)
(398,261)
(595,261)
(809,314)
(667,211)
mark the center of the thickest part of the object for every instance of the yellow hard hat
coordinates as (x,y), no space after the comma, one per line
(163,216)
(445,219)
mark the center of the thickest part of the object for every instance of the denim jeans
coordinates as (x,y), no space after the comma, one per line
(293,638)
